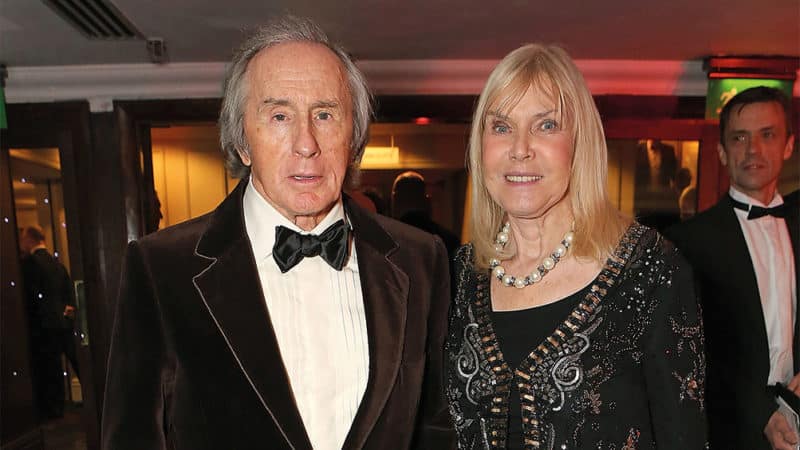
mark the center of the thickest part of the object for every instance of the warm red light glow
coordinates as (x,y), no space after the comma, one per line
(422,120)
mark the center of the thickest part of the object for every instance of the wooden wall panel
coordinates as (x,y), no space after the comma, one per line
(17,414)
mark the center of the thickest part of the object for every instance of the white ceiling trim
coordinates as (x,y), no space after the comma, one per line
(102,84)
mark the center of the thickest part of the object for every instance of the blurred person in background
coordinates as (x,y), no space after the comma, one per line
(412,205)
(50,301)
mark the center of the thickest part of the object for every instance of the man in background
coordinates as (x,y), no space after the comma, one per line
(50,302)
(412,205)
(745,254)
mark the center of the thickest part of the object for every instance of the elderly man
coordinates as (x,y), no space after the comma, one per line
(288,318)
(745,254)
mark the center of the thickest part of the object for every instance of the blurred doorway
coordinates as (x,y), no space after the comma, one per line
(40,154)
(662,171)
(38,201)
(188,171)
(654,180)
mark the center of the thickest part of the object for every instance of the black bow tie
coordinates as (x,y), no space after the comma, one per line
(291,247)
(757,211)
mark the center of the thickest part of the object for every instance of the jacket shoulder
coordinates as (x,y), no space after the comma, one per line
(405,235)
(175,239)
(695,228)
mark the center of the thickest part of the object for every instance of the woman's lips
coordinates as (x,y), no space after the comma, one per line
(523,178)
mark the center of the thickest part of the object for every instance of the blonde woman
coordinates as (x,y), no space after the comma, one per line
(572,327)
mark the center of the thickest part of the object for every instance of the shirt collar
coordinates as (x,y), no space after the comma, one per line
(37,248)
(261,218)
(744,198)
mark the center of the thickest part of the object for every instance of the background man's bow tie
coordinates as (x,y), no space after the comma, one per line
(757,211)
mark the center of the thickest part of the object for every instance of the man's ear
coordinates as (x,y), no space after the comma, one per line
(787,151)
(723,157)
(244,156)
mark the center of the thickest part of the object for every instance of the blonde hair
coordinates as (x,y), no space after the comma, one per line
(550,71)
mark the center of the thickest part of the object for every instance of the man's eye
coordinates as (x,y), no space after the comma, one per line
(324,116)
(279,117)
(739,138)
(768,134)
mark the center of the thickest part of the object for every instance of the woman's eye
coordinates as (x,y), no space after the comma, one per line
(500,128)
(549,125)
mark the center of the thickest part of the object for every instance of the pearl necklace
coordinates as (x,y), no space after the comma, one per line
(536,276)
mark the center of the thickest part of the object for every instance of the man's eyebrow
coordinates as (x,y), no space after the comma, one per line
(746,131)
(325,104)
(272,101)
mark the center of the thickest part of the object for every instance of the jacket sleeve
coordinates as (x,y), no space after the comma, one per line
(435,428)
(758,405)
(674,361)
(133,409)
(68,291)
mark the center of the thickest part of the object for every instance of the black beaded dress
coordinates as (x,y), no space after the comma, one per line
(624,370)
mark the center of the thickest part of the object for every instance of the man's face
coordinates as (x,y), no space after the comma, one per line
(23,245)
(26,243)
(755,145)
(298,125)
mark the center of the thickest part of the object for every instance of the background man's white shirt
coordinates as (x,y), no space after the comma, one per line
(770,250)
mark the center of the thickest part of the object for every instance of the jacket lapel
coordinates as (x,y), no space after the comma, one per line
(231,290)
(793,224)
(741,275)
(385,290)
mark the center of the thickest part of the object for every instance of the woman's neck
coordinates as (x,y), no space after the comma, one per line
(535,238)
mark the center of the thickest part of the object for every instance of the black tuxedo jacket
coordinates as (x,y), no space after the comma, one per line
(194,362)
(739,400)
(48,289)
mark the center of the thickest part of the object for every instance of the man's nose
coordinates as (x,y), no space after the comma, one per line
(305,143)
(755,144)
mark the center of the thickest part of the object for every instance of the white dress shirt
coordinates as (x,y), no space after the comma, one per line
(771,252)
(319,321)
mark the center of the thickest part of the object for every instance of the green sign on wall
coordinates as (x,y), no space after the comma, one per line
(3,120)
(720,90)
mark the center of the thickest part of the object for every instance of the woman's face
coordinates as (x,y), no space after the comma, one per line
(527,156)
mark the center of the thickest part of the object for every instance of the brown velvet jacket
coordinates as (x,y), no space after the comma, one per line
(194,362)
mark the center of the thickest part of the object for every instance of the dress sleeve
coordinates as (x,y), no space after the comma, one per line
(674,360)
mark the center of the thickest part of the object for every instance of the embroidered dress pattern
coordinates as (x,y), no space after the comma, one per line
(579,388)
